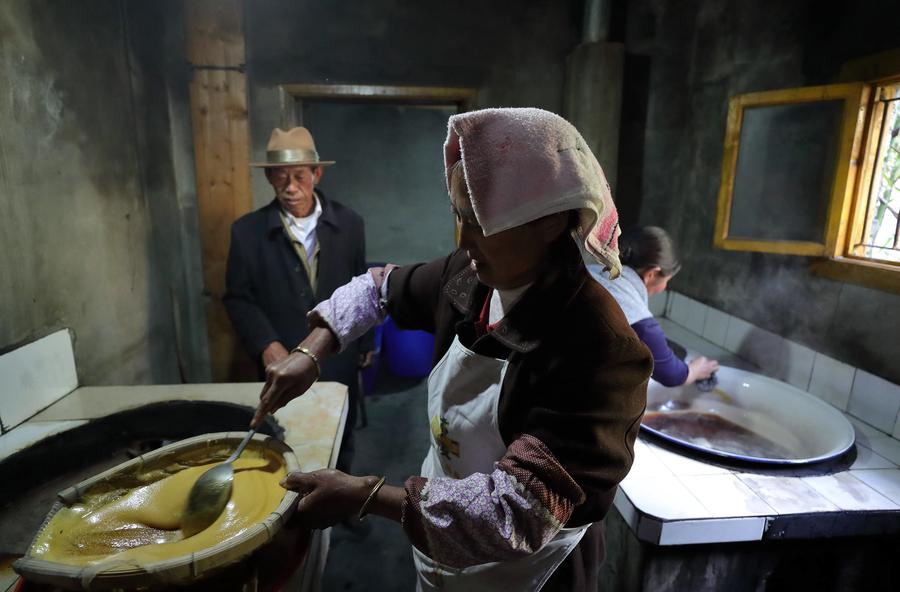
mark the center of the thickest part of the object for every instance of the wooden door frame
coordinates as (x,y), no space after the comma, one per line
(292,97)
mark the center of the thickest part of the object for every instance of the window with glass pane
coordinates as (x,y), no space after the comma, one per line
(880,239)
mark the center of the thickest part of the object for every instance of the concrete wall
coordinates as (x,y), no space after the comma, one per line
(388,173)
(93,213)
(513,52)
(685,59)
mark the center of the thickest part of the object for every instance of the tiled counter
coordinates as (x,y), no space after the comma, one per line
(708,503)
(683,522)
(313,424)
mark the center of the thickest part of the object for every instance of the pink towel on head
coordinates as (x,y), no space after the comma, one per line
(523,164)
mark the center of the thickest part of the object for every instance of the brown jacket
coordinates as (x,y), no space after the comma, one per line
(577,374)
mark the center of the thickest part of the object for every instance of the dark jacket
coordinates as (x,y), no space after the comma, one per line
(267,291)
(577,375)
(576,379)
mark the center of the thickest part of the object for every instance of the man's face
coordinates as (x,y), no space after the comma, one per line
(294,187)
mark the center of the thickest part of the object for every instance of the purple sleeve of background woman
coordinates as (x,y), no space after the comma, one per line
(668,369)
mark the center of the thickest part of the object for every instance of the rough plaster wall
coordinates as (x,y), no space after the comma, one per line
(694,55)
(74,226)
(513,52)
(160,78)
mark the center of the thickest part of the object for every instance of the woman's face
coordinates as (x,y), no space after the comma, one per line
(508,259)
(655,280)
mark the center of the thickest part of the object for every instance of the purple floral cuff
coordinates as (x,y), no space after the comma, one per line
(353,309)
(480,519)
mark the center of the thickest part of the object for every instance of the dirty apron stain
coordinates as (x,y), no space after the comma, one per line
(463,394)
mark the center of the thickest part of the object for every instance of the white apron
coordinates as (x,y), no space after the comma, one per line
(463,393)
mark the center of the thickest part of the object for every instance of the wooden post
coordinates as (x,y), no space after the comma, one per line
(215,48)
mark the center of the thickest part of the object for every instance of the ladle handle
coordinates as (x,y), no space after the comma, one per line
(241,446)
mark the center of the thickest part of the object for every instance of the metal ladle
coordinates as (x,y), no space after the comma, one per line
(210,493)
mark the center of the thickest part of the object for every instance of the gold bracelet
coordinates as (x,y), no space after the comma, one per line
(365,506)
(312,356)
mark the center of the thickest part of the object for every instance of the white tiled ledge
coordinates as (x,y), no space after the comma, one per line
(670,499)
(310,422)
(863,395)
(313,424)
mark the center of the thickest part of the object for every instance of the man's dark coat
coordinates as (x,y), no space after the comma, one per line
(267,290)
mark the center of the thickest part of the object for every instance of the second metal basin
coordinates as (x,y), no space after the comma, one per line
(748,418)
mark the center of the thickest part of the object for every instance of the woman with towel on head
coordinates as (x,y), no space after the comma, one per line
(539,383)
(648,263)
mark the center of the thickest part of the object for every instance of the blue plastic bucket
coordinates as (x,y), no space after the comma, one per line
(408,352)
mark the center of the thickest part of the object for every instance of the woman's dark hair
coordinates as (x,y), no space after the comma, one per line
(645,247)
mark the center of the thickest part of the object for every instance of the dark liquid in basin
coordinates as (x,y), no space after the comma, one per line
(708,430)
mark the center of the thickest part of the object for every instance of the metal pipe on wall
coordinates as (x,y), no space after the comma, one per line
(596,20)
(593,90)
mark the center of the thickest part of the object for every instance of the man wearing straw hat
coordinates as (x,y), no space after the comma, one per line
(290,255)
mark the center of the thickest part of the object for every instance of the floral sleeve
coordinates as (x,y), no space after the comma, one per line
(355,307)
(509,513)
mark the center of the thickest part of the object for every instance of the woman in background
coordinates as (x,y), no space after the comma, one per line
(649,261)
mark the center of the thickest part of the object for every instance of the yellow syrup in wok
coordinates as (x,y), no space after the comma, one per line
(141,524)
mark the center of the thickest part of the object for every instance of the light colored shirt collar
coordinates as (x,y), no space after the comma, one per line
(502,302)
(303,227)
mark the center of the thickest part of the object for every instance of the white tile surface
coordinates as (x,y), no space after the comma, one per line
(896,433)
(798,364)
(663,497)
(679,308)
(866,459)
(770,352)
(875,400)
(698,346)
(646,464)
(30,433)
(726,496)
(863,430)
(886,447)
(884,481)
(738,330)
(658,304)
(849,493)
(832,381)
(715,329)
(682,465)
(626,508)
(90,402)
(712,531)
(670,300)
(696,317)
(35,375)
(787,495)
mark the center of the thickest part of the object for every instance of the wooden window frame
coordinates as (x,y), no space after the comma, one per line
(855,98)
(846,262)
(837,256)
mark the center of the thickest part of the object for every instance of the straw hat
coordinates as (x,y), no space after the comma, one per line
(291,148)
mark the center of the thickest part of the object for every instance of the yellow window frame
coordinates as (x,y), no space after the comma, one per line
(848,262)
(855,98)
(839,256)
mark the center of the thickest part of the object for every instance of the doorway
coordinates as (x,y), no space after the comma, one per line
(388,144)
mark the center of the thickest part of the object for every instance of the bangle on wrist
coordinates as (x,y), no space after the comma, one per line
(364,510)
(312,356)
